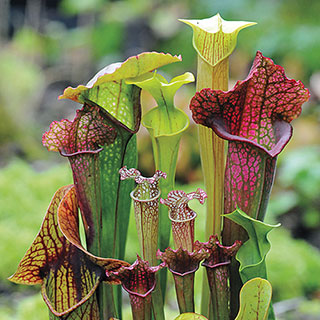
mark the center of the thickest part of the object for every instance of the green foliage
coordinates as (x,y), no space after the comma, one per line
(115,32)
(294,263)
(25,194)
(253,252)
(31,307)
(73,7)
(17,109)
(297,172)
(299,182)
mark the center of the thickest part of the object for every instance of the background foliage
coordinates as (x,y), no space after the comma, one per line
(48,45)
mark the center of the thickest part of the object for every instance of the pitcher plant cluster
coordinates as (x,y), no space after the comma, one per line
(78,256)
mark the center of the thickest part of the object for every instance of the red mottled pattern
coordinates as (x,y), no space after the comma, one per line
(251,107)
(183,234)
(87,132)
(243,177)
(248,177)
(147,188)
(218,254)
(177,201)
(138,279)
(182,262)
(85,171)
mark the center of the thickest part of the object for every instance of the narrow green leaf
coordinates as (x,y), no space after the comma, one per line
(255,298)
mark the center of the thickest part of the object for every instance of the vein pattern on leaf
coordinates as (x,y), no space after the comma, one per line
(250,110)
(87,132)
(68,274)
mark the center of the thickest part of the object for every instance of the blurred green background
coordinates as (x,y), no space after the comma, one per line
(46,45)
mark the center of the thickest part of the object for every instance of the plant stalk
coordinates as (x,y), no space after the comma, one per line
(141,307)
(220,293)
(185,291)
(212,159)
(165,150)
(212,147)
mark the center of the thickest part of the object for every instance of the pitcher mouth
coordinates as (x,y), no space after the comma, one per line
(208,265)
(64,154)
(144,200)
(184,220)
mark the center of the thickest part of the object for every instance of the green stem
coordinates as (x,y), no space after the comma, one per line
(116,204)
(185,292)
(165,150)
(140,307)
(219,289)
(212,159)
(157,301)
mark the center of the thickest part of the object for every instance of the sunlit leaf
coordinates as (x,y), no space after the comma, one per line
(108,89)
(59,266)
